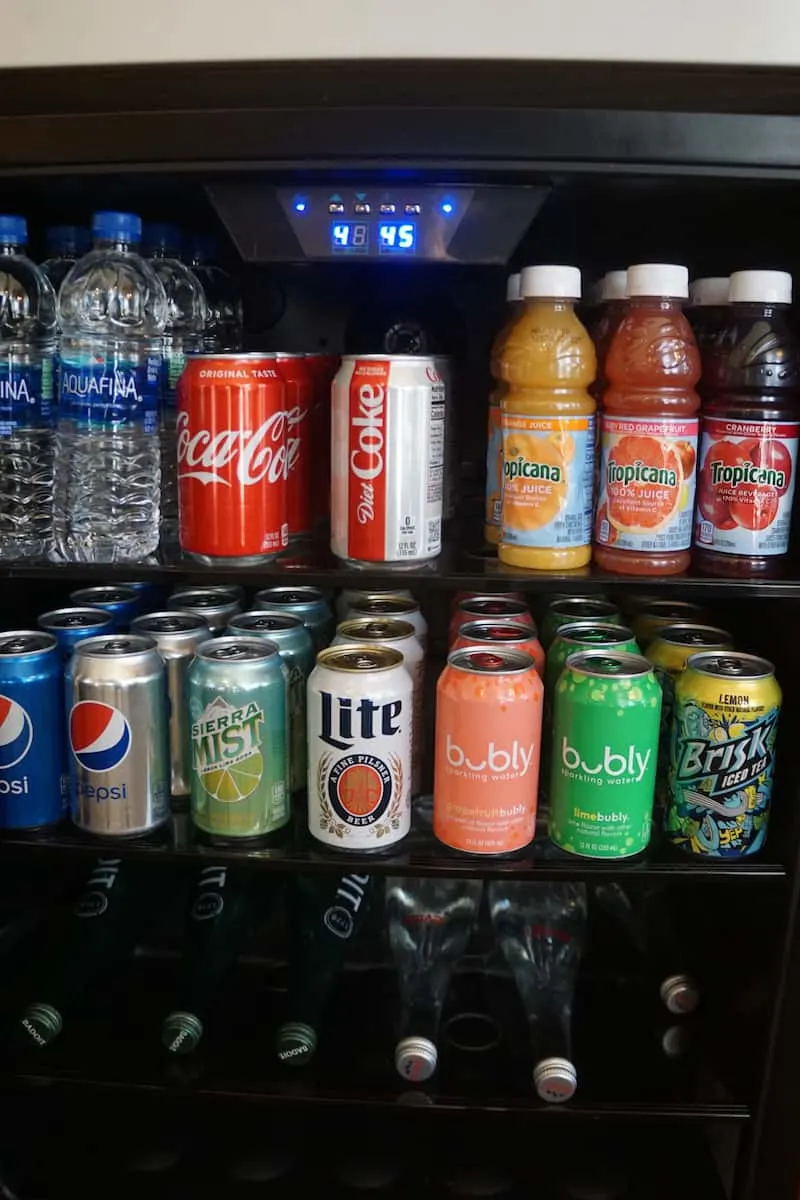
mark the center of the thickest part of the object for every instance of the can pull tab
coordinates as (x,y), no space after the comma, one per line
(117,646)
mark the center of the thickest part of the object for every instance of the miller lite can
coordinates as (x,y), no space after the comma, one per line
(387,460)
(360,716)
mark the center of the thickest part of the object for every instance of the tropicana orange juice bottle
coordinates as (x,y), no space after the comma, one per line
(648,430)
(548,363)
(494,433)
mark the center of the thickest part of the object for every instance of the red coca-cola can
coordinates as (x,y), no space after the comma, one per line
(232,458)
(298,376)
(324,367)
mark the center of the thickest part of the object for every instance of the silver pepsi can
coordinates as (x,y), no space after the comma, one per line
(118,730)
(72,625)
(296,649)
(234,590)
(307,603)
(177,636)
(216,607)
(120,601)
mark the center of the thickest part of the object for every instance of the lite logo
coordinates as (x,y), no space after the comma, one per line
(99,735)
(516,758)
(339,919)
(210,899)
(632,763)
(367,720)
(230,456)
(16,735)
(94,901)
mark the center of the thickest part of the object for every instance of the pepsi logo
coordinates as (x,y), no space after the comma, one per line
(16,733)
(99,735)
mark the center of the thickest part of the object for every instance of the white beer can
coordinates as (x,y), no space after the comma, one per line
(450,483)
(399,635)
(359,720)
(348,595)
(387,460)
(402,608)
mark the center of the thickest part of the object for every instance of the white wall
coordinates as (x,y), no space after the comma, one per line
(64,32)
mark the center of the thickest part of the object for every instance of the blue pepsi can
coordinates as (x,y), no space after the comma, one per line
(149,595)
(31,730)
(71,625)
(122,602)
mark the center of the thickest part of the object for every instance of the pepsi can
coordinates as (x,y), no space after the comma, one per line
(118,729)
(177,636)
(307,603)
(121,602)
(234,590)
(149,595)
(216,607)
(72,625)
(31,730)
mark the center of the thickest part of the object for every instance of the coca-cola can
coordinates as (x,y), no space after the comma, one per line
(298,376)
(324,368)
(232,458)
(387,460)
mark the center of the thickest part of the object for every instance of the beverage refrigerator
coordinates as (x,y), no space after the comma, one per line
(370,207)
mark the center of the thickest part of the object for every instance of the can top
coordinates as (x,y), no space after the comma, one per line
(583,606)
(104,594)
(290,595)
(390,606)
(237,649)
(680,609)
(601,633)
(493,606)
(731,666)
(412,358)
(359,658)
(490,662)
(266,622)
(507,631)
(375,629)
(75,618)
(169,622)
(601,664)
(21,642)
(220,602)
(234,591)
(122,645)
(689,634)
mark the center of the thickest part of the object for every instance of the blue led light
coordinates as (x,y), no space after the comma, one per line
(448,207)
(300,206)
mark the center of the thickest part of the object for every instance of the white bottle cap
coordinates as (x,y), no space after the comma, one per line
(415,1058)
(555,1080)
(658,279)
(760,287)
(551,282)
(711,291)
(614,286)
(512,288)
(679,994)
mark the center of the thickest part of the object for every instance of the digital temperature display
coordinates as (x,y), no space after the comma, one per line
(397,237)
(391,237)
(350,237)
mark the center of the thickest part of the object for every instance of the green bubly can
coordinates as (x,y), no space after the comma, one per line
(238,713)
(296,648)
(584,635)
(605,749)
(568,610)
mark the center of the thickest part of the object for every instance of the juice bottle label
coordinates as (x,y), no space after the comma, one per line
(645,498)
(745,486)
(548,471)
(494,466)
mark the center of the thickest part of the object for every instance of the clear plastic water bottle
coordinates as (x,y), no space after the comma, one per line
(183,335)
(223,331)
(112,311)
(65,245)
(27,346)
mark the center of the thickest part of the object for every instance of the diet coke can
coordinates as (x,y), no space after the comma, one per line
(387,460)
(299,380)
(232,458)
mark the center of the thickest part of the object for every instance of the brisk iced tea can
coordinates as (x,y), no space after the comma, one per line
(399,635)
(232,458)
(387,460)
(723,754)
(512,635)
(607,711)
(496,608)
(488,743)
(296,648)
(298,378)
(360,703)
(669,652)
(396,606)
(660,613)
(307,603)
(568,609)
(238,715)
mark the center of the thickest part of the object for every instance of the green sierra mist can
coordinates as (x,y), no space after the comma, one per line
(605,750)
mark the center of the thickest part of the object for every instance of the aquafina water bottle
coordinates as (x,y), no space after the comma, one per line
(224,321)
(112,310)
(183,335)
(27,346)
(65,245)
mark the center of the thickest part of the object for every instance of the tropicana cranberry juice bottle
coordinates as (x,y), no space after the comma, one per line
(750,429)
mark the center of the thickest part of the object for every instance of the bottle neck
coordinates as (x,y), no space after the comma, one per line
(556,303)
(7,247)
(757,308)
(120,244)
(664,303)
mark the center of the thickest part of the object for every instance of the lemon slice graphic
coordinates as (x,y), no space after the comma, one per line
(231,784)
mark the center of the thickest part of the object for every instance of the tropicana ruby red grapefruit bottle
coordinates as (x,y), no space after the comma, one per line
(750,428)
(648,430)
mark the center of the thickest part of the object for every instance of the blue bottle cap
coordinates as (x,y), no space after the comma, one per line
(117,227)
(68,239)
(159,235)
(13,230)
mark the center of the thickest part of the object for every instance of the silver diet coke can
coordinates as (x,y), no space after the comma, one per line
(359,747)
(387,464)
